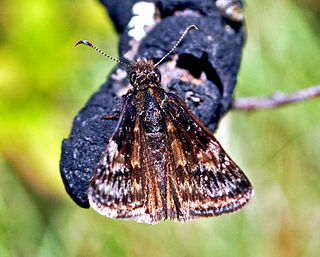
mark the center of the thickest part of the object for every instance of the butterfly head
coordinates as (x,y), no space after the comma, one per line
(143,74)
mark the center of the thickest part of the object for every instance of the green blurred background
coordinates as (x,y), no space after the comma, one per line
(44,81)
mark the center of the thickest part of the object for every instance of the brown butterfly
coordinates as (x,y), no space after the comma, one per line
(161,161)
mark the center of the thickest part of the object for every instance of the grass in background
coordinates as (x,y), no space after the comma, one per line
(44,81)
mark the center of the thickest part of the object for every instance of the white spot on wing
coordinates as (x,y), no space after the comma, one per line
(112,149)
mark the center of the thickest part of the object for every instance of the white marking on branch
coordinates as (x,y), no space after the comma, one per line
(143,15)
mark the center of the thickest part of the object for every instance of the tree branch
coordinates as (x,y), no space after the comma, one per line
(275,100)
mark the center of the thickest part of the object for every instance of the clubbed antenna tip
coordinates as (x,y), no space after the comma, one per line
(192,27)
(177,43)
(82,42)
(85,42)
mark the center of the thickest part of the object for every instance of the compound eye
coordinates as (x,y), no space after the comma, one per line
(157,76)
(133,77)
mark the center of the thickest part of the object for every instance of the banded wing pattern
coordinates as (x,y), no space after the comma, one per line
(181,173)
(111,191)
(125,184)
(204,181)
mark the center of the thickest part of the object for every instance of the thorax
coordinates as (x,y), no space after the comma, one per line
(151,104)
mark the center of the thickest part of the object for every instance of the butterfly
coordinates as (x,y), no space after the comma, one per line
(161,162)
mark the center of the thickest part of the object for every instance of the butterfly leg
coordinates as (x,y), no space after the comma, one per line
(111,117)
(114,116)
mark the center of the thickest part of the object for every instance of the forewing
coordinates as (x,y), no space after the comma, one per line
(123,185)
(203,179)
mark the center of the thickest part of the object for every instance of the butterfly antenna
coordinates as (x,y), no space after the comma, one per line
(178,42)
(85,42)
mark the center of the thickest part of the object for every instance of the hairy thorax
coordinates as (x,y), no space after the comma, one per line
(152,104)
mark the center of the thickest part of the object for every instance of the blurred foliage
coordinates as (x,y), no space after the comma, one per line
(44,81)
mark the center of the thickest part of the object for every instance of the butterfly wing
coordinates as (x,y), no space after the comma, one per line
(203,179)
(181,174)
(124,184)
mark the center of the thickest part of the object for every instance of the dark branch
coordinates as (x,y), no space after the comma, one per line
(275,100)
